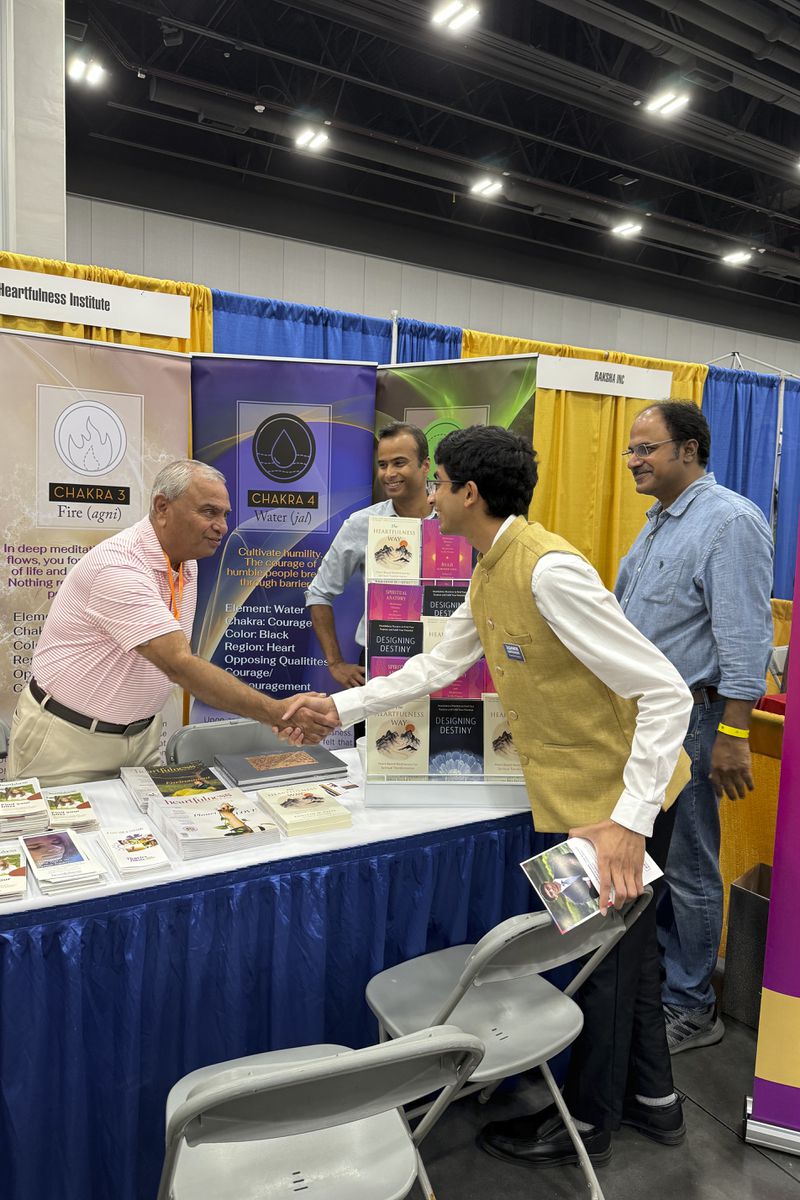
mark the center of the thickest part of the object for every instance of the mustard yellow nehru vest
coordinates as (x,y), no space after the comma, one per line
(572,733)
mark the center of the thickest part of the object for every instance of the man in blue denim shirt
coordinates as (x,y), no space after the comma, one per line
(697,583)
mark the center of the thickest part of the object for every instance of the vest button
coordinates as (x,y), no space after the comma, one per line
(513,714)
(499,670)
(490,622)
(523,758)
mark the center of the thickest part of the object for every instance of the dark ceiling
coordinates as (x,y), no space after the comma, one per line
(548,97)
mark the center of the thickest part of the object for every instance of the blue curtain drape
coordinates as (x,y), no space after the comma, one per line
(417,341)
(788,494)
(105,1004)
(252,325)
(742,409)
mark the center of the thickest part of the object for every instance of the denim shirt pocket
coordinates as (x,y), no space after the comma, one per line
(661,579)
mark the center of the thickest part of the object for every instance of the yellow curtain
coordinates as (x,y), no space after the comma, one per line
(200,337)
(781,622)
(585,492)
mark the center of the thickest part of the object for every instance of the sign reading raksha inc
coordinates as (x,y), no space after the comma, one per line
(83,302)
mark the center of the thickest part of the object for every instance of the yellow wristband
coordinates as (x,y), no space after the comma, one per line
(733,732)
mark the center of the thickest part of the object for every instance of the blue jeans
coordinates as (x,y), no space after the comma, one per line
(690,911)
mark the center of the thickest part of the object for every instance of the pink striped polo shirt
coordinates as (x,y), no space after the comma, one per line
(116,598)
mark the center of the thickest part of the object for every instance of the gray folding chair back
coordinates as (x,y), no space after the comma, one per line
(199,743)
(777,666)
(5,734)
(271,1124)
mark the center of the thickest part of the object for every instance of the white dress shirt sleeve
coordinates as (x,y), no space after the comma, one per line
(459,648)
(587,618)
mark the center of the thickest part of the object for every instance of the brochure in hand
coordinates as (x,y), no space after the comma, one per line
(22,807)
(305,809)
(69,808)
(13,871)
(134,850)
(567,881)
(61,861)
(288,765)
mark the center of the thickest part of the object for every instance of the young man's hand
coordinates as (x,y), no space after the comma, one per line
(620,859)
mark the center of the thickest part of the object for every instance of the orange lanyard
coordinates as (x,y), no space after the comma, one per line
(175,601)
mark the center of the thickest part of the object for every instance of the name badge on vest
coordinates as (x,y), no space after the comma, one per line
(513,651)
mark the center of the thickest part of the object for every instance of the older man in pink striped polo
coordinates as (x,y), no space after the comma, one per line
(116,640)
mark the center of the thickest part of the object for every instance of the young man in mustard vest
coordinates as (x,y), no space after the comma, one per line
(598,716)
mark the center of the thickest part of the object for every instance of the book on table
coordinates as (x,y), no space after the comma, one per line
(567,881)
(22,807)
(284,766)
(61,861)
(305,809)
(69,808)
(197,826)
(134,850)
(13,870)
(147,784)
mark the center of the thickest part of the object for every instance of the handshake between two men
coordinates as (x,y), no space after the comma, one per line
(307,717)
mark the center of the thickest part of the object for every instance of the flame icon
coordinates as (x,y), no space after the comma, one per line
(90,438)
(93,450)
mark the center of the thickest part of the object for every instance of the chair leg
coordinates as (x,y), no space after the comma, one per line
(382,1034)
(577,1140)
(485,1095)
(423,1180)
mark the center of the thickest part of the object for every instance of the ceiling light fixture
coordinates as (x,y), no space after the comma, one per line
(666,104)
(455,15)
(94,73)
(486,187)
(627,229)
(737,257)
(76,69)
(311,139)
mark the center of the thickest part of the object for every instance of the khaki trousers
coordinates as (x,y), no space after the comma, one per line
(58,753)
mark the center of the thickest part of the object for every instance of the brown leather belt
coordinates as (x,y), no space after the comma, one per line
(703,694)
(48,704)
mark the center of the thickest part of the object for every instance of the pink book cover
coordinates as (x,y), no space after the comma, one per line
(469,686)
(394,602)
(444,556)
(385,666)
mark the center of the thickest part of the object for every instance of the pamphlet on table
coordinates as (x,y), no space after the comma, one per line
(305,809)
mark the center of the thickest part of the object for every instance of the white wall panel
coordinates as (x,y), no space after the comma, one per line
(417,293)
(215,256)
(452,299)
(167,247)
(79,229)
(304,273)
(118,237)
(344,280)
(261,265)
(382,284)
(258,264)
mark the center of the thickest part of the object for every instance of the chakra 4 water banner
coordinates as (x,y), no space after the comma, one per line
(87,427)
(294,440)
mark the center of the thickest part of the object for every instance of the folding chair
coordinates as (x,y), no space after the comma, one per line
(777,666)
(199,743)
(5,734)
(494,991)
(321,1119)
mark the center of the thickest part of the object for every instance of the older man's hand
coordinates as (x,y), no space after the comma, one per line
(311,712)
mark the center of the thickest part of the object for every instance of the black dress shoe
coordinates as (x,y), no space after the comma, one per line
(520,1141)
(664,1124)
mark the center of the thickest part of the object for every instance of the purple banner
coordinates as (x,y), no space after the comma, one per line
(777,1102)
(294,441)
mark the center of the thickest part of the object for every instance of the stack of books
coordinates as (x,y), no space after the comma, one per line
(286,766)
(69,808)
(148,784)
(13,871)
(22,808)
(61,862)
(302,809)
(196,826)
(134,850)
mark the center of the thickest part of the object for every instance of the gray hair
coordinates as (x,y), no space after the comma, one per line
(173,480)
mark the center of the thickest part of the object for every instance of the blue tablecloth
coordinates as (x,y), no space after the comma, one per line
(106,1003)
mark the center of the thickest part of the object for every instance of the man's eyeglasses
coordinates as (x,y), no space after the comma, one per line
(645,449)
(435,484)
